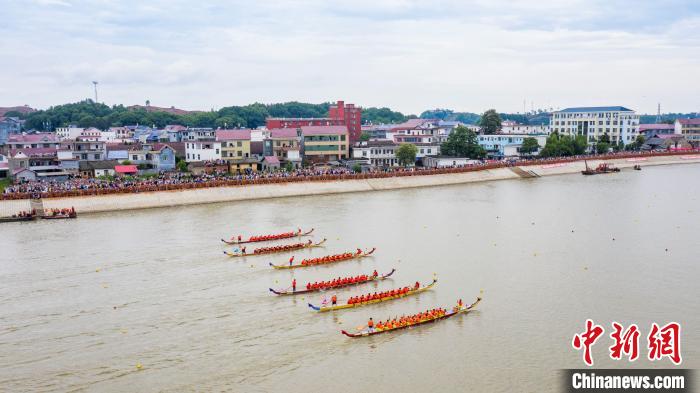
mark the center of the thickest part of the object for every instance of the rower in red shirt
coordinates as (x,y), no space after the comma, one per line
(374,273)
(294,285)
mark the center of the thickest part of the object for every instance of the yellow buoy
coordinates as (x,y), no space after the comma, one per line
(97,270)
(139,366)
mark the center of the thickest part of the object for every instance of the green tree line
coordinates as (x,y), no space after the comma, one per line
(90,114)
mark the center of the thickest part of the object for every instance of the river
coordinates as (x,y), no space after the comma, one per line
(84,302)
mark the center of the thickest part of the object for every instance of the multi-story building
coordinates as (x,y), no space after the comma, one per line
(235,144)
(339,114)
(512,127)
(619,123)
(507,145)
(690,129)
(202,151)
(325,143)
(9,126)
(285,144)
(158,156)
(87,146)
(32,141)
(39,163)
(122,133)
(379,153)
(70,132)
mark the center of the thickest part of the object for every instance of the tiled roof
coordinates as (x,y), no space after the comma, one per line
(125,168)
(283,133)
(689,122)
(34,138)
(411,124)
(272,160)
(37,151)
(597,109)
(232,135)
(644,127)
(324,130)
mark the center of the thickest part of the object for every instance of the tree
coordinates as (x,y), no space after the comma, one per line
(602,147)
(406,154)
(462,142)
(639,141)
(289,166)
(529,145)
(181,166)
(490,122)
(364,137)
(357,168)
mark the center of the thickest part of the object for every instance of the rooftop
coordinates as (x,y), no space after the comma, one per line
(663,126)
(597,109)
(411,124)
(232,135)
(44,137)
(324,130)
(283,133)
(689,121)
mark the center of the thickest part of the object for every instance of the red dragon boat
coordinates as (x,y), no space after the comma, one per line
(344,283)
(267,238)
(274,249)
(347,256)
(441,316)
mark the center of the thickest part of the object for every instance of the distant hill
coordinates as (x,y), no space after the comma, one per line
(24,109)
(151,108)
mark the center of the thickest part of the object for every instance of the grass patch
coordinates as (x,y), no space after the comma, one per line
(4,183)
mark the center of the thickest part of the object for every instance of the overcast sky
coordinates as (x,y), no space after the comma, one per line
(467,55)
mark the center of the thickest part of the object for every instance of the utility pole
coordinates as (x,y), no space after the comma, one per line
(95,83)
(658,113)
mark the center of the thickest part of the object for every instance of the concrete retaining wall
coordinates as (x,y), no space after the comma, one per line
(91,204)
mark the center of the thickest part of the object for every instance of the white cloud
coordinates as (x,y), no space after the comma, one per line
(404,54)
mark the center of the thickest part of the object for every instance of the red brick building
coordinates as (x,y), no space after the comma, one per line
(338,115)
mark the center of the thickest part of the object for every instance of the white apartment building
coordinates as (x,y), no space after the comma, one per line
(202,151)
(620,123)
(70,132)
(511,127)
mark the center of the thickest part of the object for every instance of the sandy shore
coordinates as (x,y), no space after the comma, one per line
(102,203)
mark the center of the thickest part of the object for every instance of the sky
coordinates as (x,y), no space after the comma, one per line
(465,55)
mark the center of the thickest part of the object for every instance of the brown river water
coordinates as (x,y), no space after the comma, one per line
(83,302)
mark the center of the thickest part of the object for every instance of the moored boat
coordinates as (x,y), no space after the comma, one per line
(274,249)
(602,168)
(371,332)
(411,291)
(328,288)
(325,260)
(267,238)
(17,219)
(60,216)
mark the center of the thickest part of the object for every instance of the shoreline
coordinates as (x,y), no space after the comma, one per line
(156,199)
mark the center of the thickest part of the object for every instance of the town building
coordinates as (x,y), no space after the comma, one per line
(620,123)
(507,145)
(376,131)
(325,143)
(87,146)
(649,130)
(512,127)
(202,150)
(44,140)
(122,133)
(39,163)
(669,142)
(339,114)
(97,168)
(235,144)
(157,156)
(70,132)
(9,126)
(378,153)
(285,144)
(689,128)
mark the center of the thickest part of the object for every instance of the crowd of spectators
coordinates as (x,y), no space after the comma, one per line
(176,181)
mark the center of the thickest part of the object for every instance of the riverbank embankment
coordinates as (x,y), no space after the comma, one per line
(130,201)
